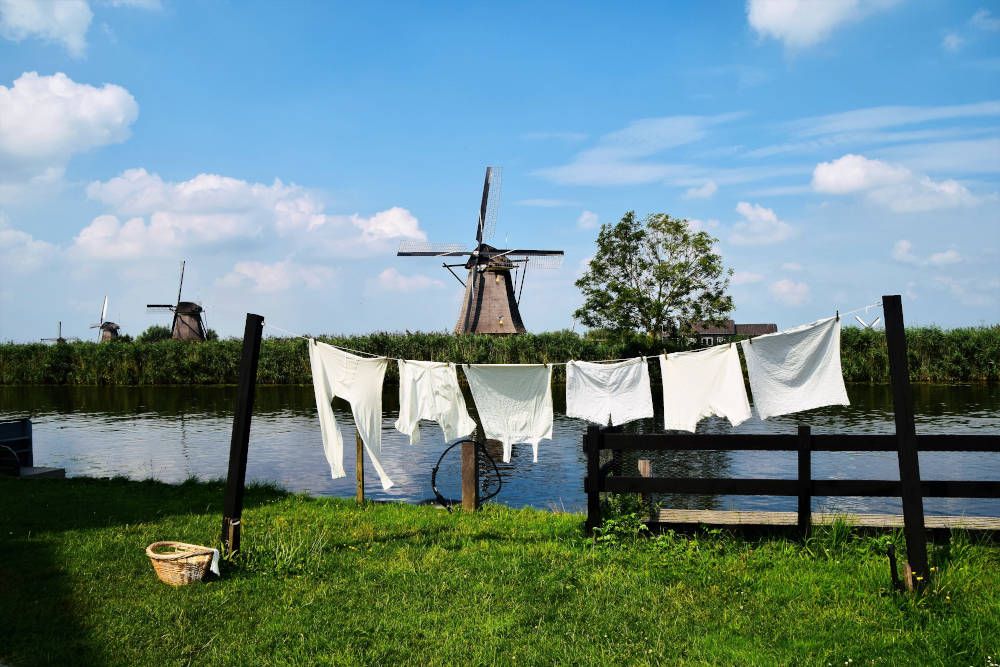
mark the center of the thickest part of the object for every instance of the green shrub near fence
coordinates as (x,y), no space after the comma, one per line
(936,355)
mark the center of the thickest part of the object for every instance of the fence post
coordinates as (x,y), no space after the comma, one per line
(359,469)
(470,476)
(805,480)
(232,506)
(646,470)
(592,483)
(906,438)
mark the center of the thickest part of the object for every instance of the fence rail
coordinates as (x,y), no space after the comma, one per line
(601,480)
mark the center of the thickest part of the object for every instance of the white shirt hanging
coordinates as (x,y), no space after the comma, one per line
(796,370)
(358,380)
(514,402)
(703,383)
(429,390)
(616,392)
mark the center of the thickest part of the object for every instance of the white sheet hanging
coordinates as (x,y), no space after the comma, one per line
(429,390)
(796,370)
(358,380)
(514,402)
(616,392)
(703,383)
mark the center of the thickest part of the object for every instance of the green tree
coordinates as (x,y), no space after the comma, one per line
(153,334)
(653,275)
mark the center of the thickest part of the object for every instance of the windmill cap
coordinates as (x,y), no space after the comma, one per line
(188,308)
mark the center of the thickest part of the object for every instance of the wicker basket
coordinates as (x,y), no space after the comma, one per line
(182,564)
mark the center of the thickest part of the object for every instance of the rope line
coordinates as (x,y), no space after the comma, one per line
(551,363)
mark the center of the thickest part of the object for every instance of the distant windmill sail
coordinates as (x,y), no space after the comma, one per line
(106,330)
(490,304)
(188,323)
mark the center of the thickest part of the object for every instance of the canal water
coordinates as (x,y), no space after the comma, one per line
(175,433)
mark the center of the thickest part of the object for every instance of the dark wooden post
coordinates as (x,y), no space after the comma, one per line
(232,510)
(805,480)
(470,476)
(359,469)
(592,486)
(906,438)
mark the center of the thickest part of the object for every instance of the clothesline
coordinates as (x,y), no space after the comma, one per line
(877,304)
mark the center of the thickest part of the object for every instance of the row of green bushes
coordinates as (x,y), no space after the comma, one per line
(936,355)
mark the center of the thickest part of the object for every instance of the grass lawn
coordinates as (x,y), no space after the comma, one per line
(323,581)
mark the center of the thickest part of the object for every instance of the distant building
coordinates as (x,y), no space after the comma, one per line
(712,334)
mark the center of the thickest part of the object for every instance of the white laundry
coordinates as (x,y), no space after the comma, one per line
(357,380)
(429,390)
(703,383)
(618,392)
(796,370)
(514,402)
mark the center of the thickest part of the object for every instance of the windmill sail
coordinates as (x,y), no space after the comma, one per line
(489,304)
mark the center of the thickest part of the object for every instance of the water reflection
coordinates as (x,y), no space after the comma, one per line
(171,433)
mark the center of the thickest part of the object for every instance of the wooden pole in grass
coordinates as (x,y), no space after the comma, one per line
(906,438)
(359,468)
(232,509)
(470,476)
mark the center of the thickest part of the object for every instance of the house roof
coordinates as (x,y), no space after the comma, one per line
(756,329)
(730,328)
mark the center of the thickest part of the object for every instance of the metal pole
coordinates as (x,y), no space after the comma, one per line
(232,511)
(906,437)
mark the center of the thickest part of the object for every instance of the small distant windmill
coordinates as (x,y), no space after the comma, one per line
(59,338)
(187,324)
(489,305)
(108,330)
(868,325)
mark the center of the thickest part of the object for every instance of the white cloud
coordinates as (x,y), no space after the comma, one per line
(902,252)
(856,173)
(617,158)
(153,217)
(393,281)
(61,21)
(392,224)
(789,292)
(696,225)
(746,278)
(802,23)
(984,20)
(701,192)
(952,41)
(587,220)
(791,266)
(889,185)
(20,252)
(277,277)
(971,291)
(45,120)
(874,118)
(151,5)
(949,256)
(760,226)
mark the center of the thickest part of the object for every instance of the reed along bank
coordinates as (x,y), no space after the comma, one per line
(959,355)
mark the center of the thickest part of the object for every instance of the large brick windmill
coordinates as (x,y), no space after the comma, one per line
(490,305)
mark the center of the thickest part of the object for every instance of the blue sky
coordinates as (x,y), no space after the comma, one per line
(839,150)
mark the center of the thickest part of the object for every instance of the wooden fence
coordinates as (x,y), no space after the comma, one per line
(804,487)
